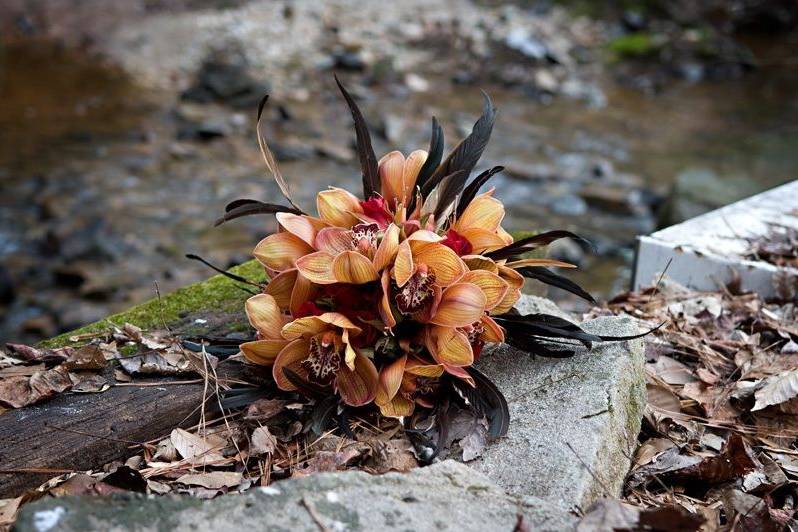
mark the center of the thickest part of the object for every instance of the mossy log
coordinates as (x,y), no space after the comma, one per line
(78,432)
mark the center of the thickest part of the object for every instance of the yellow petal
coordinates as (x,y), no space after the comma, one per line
(390,380)
(513,278)
(359,386)
(352,267)
(484,212)
(303,291)
(391,168)
(386,314)
(461,305)
(397,407)
(482,240)
(262,352)
(264,314)
(291,356)
(493,286)
(316,267)
(507,237)
(313,325)
(478,262)
(493,332)
(539,262)
(349,352)
(403,267)
(423,369)
(305,227)
(336,207)
(513,295)
(387,248)
(448,267)
(340,321)
(281,286)
(425,235)
(280,251)
(412,166)
(334,240)
(449,346)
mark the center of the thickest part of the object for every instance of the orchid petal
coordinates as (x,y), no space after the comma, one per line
(390,381)
(446,264)
(423,369)
(336,207)
(264,314)
(397,407)
(304,290)
(412,166)
(493,331)
(262,352)
(305,227)
(352,267)
(334,240)
(449,346)
(460,373)
(482,240)
(479,262)
(386,314)
(359,386)
(388,248)
(281,286)
(461,305)
(493,286)
(280,251)
(291,356)
(484,212)
(317,267)
(403,267)
(539,262)
(391,168)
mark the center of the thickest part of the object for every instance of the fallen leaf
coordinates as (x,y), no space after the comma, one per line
(474,443)
(327,461)
(650,449)
(33,354)
(194,448)
(86,357)
(776,390)
(264,409)
(91,384)
(612,514)
(262,442)
(8,511)
(662,398)
(672,371)
(214,480)
(17,392)
(126,478)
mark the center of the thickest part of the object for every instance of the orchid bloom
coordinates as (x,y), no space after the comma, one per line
(480,226)
(404,383)
(319,350)
(398,176)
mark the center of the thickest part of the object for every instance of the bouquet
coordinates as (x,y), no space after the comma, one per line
(388,298)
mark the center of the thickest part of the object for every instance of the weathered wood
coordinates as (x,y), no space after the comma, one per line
(86,431)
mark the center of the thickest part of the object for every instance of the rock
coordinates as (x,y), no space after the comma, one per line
(699,190)
(569,205)
(292,150)
(545,81)
(615,200)
(224,77)
(201,122)
(416,83)
(519,40)
(444,496)
(571,418)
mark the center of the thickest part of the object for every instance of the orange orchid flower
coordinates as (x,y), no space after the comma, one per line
(319,350)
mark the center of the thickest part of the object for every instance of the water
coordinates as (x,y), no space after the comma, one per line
(98,199)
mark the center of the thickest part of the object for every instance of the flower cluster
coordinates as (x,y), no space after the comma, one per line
(384,298)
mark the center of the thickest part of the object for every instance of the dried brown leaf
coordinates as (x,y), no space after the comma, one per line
(194,448)
(213,480)
(262,442)
(776,390)
(17,392)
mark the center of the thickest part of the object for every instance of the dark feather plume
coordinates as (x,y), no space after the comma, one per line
(544,275)
(531,243)
(227,274)
(486,399)
(471,190)
(368,161)
(248,207)
(464,157)
(434,156)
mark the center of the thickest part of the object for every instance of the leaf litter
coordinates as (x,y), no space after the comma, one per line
(717,450)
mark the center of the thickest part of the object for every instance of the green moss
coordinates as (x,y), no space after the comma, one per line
(635,45)
(219,294)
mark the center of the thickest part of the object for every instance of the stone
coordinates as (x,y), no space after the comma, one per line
(444,496)
(573,422)
(699,190)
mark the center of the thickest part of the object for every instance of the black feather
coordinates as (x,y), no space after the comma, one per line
(368,161)
(486,399)
(227,274)
(322,414)
(240,397)
(434,156)
(530,243)
(541,326)
(261,105)
(247,207)
(452,186)
(464,156)
(471,190)
(544,275)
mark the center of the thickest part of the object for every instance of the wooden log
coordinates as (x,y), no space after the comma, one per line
(79,432)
